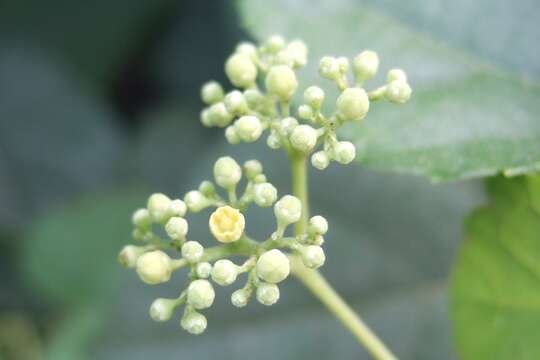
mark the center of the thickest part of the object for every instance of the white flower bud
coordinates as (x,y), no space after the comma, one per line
(231,135)
(224,272)
(141,219)
(154,267)
(298,52)
(240,298)
(398,92)
(247,48)
(274,43)
(273,141)
(287,125)
(303,138)
(365,65)
(267,294)
(192,251)
(314,96)
(194,323)
(343,64)
(211,92)
(227,172)
(305,112)
(158,206)
(264,194)
(162,309)
(281,81)
(284,58)
(203,270)
(259,179)
(176,228)
(207,188)
(318,225)
(218,115)
(273,266)
(318,240)
(227,224)
(329,68)
(344,152)
(313,256)
(205,118)
(396,74)
(253,97)
(129,254)
(235,103)
(288,209)
(320,160)
(252,168)
(177,208)
(200,294)
(196,201)
(248,128)
(241,70)
(140,234)
(353,104)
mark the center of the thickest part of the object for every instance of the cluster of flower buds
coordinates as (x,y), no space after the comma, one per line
(247,112)
(267,262)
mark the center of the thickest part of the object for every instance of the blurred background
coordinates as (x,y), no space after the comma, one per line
(99,106)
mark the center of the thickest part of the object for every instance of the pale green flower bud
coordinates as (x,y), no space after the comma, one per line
(298,52)
(344,152)
(353,104)
(177,208)
(224,272)
(227,172)
(273,141)
(248,128)
(196,201)
(318,225)
(318,240)
(264,194)
(396,74)
(154,267)
(305,112)
(240,298)
(241,70)
(329,68)
(235,103)
(192,251)
(140,234)
(211,92)
(259,179)
(252,168)
(205,118)
(177,228)
(274,43)
(141,218)
(312,256)
(218,115)
(158,206)
(231,135)
(207,188)
(253,97)
(203,270)
(314,96)
(320,160)
(162,309)
(343,64)
(287,125)
(247,48)
(273,266)
(129,254)
(398,92)
(281,81)
(365,65)
(288,209)
(267,294)
(227,224)
(303,138)
(194,323)
(284,58)
(200,294)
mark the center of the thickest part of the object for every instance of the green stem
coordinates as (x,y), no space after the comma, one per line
(317,284)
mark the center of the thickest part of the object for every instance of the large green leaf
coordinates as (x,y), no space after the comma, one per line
(496,280)
(462,108)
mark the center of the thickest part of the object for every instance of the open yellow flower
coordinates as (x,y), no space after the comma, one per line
(227,224)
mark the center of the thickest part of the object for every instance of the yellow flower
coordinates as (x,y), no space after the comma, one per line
(227,224)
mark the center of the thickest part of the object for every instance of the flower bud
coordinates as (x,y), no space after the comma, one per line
(281,81)
(218,115)
(241,70)
(318,240)
(303,138)
(353,104)
(396,74)
(129,254)
(192,251)
(305,112)
(203,270)
(343,64)
(240,298)
(207,188)
(273,141)
(196,201)
(344,152)
(398,92)
(227,172)
(162,309)
(224,272)
(252,168)
(253,97)
(177,208)
(259,179)
(365,65)
(194,323)
(154,267)
(158,206)
(211,92)
(176,228)
(274,43)
(141,219)
(329,68)
(314,96)
(248,128)
(288,210)
(320,160)
(200,294)
(287,125)
(283,57)
(273,266)
(227,224)
(313,256)
(264,194)
(267,294)
(247,48)
(231,135)
(205,118)
(235,103)
(318,225)
(298,52)
(140,234)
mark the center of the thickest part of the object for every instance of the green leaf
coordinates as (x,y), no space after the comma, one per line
(466,118)
(496,280)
